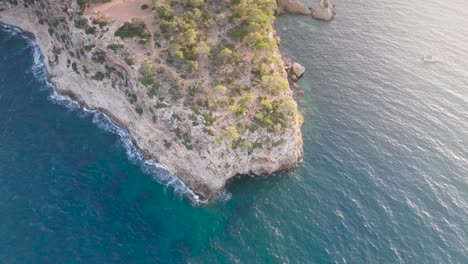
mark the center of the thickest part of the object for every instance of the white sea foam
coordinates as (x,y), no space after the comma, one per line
(223,196)
(155,169)
(13,31)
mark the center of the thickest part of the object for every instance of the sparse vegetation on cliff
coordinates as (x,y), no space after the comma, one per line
(133,29)
(234,41)
(195,78)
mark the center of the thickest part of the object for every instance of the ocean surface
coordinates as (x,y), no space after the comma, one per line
(384,177)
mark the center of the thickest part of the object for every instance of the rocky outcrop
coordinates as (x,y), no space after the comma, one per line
(293,7)
(294,70)
(297,69)
(324,10)
(82,67)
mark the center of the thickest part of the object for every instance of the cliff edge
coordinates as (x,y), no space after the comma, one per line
(200,87)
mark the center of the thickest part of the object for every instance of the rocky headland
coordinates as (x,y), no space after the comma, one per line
(200,87)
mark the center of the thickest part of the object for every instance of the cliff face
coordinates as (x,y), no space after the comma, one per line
(182,117)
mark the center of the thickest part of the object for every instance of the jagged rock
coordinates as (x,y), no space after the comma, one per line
(294,70)
(293,7)
(297,70)
(205,165)
(324,10)
(278,40)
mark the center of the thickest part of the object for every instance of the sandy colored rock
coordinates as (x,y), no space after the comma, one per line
(324,10)
(293,7)
(297,69)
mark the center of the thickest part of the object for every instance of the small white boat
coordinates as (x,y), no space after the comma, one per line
(429,59)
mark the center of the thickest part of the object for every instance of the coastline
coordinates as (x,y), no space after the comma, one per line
(105,120)
(89,93)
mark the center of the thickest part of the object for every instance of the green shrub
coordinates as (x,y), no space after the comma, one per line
(132,98)
(98,76)
(82,4)
(133,29)
(75,67)
(81,23)
(230,134)
(88,47)
(208,131)
(164,11)
(90,30)
(160,105)
(100,22)
(274,84)
(130,61)
(146,79)
(167,144)
(139,110)
(115,47)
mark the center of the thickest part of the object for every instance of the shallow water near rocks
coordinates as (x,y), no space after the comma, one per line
(384,177)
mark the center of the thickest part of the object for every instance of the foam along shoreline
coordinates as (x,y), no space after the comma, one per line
(108,122)
(205,169)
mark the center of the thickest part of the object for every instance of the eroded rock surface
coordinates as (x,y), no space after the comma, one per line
(324,10)
(205,103)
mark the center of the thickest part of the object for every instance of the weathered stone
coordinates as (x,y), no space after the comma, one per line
(297,69)
(324,10)
(293,7)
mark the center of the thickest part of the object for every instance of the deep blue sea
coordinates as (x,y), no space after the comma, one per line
(384,178)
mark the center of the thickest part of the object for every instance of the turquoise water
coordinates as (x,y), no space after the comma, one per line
(384,177)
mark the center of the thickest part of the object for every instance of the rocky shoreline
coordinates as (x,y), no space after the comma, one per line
(322,10)
(208,167)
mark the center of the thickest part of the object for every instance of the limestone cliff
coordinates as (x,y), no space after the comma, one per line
(206,112)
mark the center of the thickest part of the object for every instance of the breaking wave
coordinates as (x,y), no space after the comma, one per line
(155,169)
